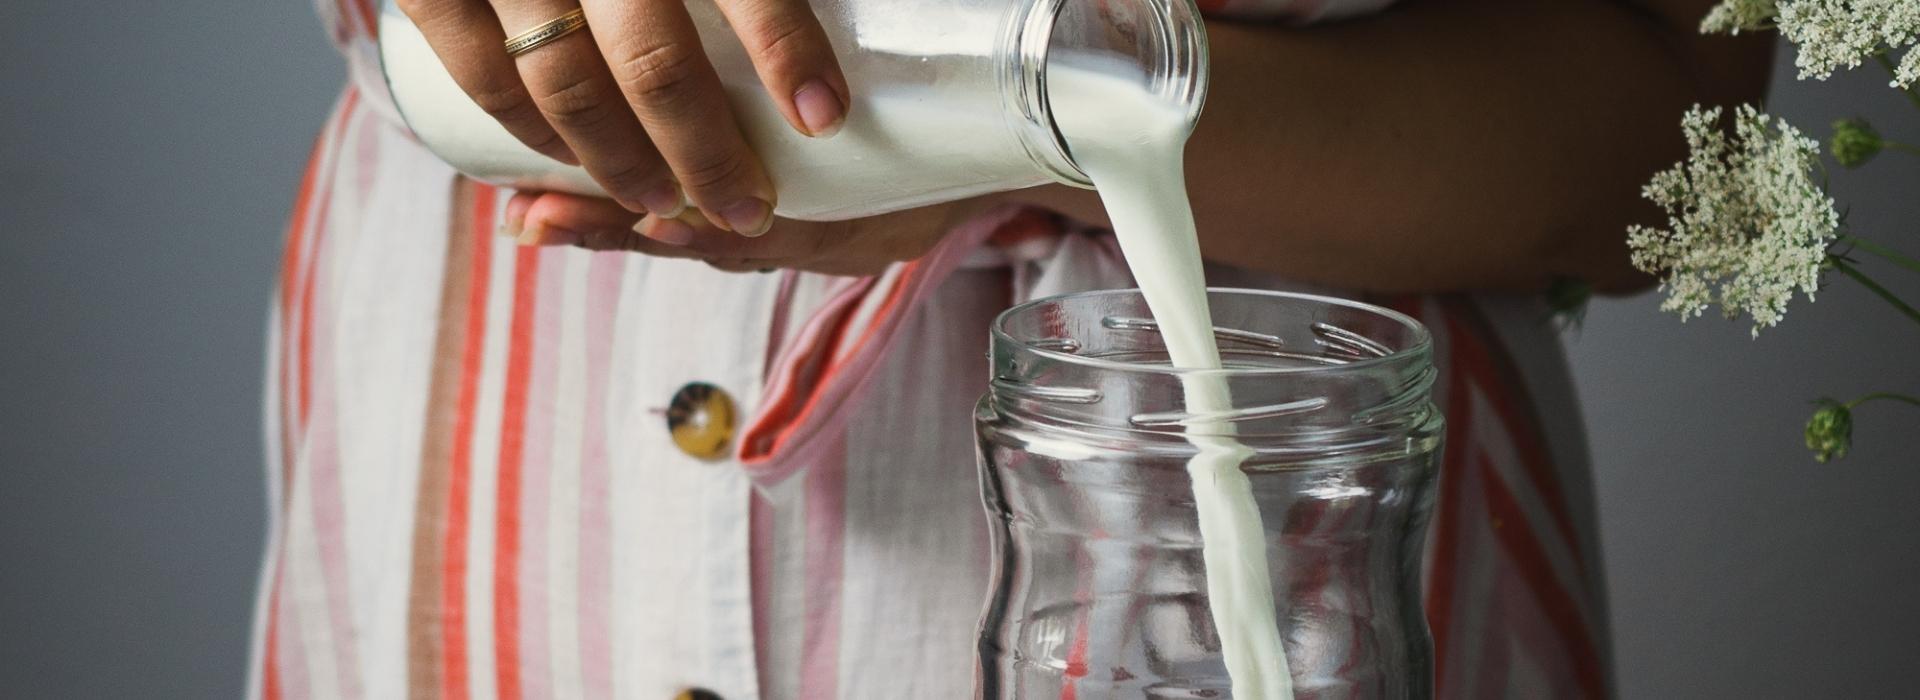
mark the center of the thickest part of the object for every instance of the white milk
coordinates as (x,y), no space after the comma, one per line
(1131,145)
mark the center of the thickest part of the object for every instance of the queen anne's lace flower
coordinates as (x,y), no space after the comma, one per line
(1747,224)
(1908,72)
(1735,16)
(1831,34)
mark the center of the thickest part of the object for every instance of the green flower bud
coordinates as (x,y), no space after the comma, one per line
(1854,142)
(1830,431)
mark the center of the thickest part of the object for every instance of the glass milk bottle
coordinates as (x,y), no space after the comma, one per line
(949,98)
(1099,587)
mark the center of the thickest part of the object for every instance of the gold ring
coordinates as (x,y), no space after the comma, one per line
(547,32)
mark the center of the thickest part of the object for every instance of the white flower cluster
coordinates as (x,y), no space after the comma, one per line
(1831,34)
(1748,224)
(1735,16)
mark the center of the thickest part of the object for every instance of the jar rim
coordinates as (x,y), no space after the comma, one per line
(1419,349)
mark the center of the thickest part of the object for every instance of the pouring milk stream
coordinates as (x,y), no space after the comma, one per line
(1131,144)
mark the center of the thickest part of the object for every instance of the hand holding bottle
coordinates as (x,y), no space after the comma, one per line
(632,98)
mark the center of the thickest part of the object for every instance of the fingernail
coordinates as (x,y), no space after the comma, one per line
(819,108)
(664,201)
(543,233)
(748,217)
(672,232)
(510,228)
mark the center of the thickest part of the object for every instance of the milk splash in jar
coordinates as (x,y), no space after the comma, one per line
(1130,143)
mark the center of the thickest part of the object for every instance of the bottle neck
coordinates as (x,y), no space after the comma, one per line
(1163,40)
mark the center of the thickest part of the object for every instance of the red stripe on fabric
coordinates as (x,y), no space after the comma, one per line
(305,360)
(311,226)
(780,419)
(513,431)
(777,329)
(289,261)
(356,17)
(322,448)
(453,582)
(313,186)
(1083,627)
(289,281)
(838,361)
(595,607)
(270,676)
(760,534)
(1447,532)
(826,494)
(535,651)
(1499,383)
(294,680)
(1530,561)
(367,16)
(784,411)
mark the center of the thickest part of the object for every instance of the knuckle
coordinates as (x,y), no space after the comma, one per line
(658,74)
(713,169)
(504,100)
(547,142)
(624,178)
(576,103)
(781,39)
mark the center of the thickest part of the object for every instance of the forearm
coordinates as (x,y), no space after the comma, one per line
(1445,145)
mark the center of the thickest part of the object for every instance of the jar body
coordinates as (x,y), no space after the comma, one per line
(1099,580)
(948,95)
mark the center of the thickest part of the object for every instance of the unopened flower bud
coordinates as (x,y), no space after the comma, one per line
(1854,142)
(1830,431)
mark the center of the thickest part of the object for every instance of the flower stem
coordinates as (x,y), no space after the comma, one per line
(1882,396)
(1875,287)
(1886,62)
(1907,148)
(1888,253)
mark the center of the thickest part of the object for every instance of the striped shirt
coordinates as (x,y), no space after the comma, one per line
(475,493)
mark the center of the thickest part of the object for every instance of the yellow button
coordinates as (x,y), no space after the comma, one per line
(700,418)
(697,694)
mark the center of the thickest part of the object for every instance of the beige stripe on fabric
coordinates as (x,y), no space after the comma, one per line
(424,652)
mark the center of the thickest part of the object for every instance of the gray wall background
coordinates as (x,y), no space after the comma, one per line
(148,157)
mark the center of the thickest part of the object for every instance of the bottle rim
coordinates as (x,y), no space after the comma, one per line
(1180,60)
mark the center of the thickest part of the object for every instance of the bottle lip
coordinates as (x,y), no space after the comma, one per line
(1418,349)
(1182,76)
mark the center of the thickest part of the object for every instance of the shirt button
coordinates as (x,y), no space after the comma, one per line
(697,694)
(700,418)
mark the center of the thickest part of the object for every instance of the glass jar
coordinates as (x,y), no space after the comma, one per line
(949,98)
(1099,587)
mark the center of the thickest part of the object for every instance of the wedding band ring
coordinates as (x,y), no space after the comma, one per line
(547,32)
